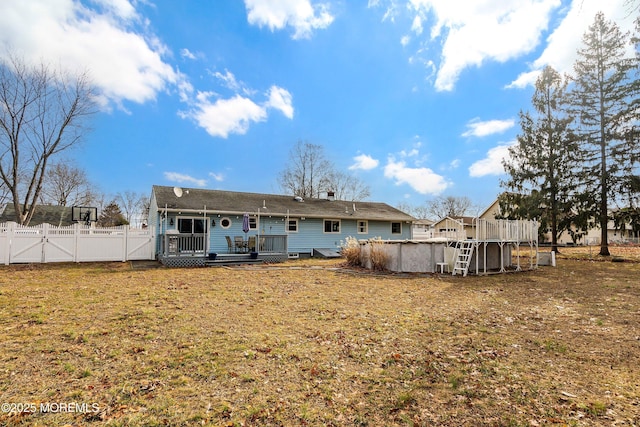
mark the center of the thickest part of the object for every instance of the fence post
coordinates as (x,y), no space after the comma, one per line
(125,243)
(45,238)
(76,240)
(7,243)
(152,246)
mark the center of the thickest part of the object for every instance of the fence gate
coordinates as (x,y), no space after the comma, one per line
(75,243)
(26,244)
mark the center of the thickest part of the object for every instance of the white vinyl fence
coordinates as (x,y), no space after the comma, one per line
(75,243)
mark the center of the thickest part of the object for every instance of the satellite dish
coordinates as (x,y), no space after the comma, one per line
(177,191)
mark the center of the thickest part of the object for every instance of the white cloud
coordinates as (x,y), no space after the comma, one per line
(186,53)
(524,79)
(281,99)
(477,31)
(416,26)
(566,38)
(364,162)
(301,15)
(229,80)
(490,127)
(391,9)
(217,176)
(411,153)
(225,116)
(182,178)
(221,117)
(492,164)
(110,41)
(121,8)
(423,180)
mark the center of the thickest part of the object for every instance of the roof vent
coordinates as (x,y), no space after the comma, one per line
(298,199)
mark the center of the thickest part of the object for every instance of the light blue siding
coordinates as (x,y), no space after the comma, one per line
(310,232)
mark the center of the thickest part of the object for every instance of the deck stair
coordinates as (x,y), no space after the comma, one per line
(232,259)
(464,251)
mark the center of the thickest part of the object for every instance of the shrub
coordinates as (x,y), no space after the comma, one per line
(350,249)
(378,254)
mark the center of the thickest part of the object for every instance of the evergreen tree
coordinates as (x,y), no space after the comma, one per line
(541,164)
(112,216)
(602,101)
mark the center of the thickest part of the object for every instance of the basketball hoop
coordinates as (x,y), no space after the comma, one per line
(84,214)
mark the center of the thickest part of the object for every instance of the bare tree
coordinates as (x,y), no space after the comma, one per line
(308,170)
(42,113)
(134,205)
(4,193)
(66,185)
(443,206)
(419,212)
(309,173)
(347,187)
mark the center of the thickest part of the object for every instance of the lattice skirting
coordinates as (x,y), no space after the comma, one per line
(183,261)
(272,258)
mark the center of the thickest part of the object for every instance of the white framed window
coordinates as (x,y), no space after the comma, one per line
(188,225)
(363,226)
(253,223)
(225,222)
(292,226)
(332,226)
(396,228)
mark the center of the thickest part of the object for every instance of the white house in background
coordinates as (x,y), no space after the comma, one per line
(422,229)
(592,237)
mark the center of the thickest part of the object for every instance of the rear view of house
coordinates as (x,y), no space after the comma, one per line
(196,222)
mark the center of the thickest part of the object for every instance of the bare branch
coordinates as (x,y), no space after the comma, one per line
(42,113)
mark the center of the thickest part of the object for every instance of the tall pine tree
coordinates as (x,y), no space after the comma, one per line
(540,164)
(600,100)
(112,216)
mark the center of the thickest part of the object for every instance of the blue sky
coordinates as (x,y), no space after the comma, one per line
(417,98)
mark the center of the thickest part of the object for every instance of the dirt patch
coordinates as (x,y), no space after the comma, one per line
(309,345)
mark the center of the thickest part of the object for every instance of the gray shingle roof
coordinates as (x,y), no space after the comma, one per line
(55,215)
(233,202)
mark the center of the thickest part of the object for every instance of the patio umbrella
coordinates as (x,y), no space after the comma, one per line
(245,224)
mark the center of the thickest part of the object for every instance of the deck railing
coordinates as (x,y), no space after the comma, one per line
(274,243)
(187,244)
(183,244)
(506,230)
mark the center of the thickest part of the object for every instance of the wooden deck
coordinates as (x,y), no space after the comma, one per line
(200,260)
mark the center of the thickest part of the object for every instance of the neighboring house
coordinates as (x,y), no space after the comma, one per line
(449,227)
(59,216)
(422,229)
(492,211)
(304,225)
(592,236)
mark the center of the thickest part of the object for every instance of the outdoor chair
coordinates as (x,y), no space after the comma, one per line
(252,243)
(229,244)
(239,243)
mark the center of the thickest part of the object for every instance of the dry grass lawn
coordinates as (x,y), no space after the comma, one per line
(311,343)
